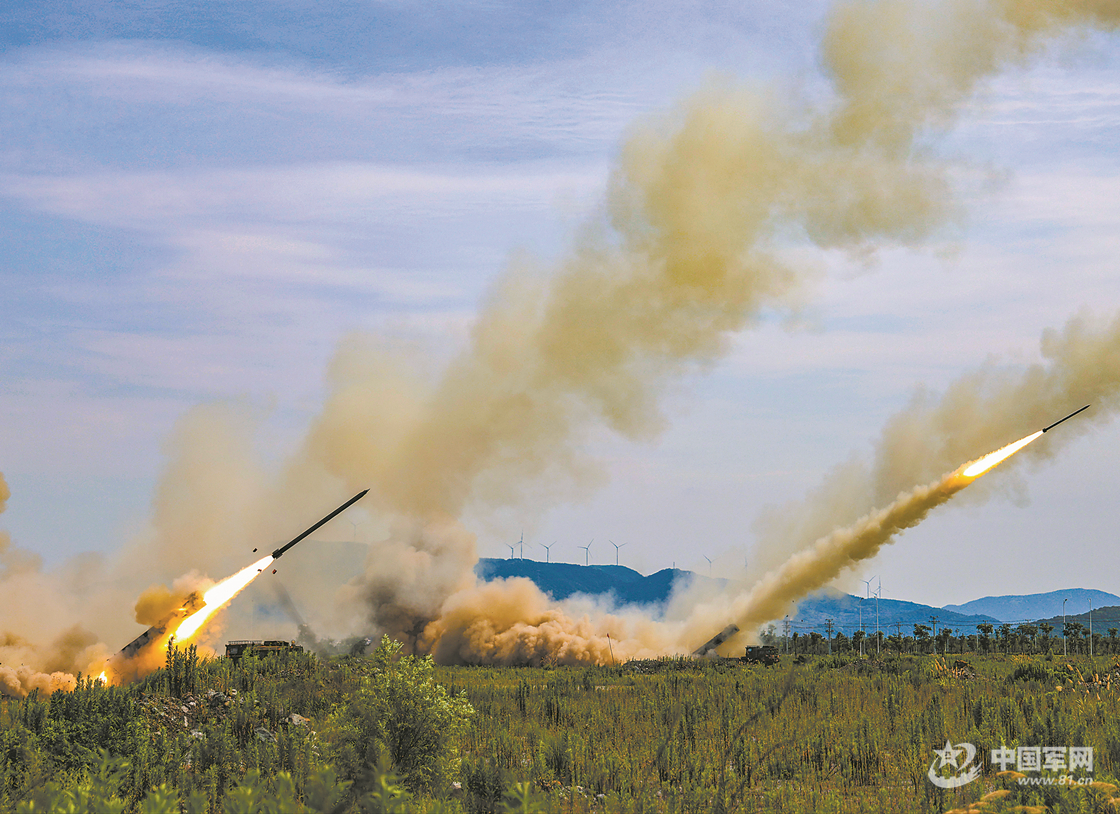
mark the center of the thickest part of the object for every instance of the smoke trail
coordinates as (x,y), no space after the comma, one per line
(980,410)
(774,595)
(700,202)
(703,203)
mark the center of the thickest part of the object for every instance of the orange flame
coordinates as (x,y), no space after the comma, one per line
(982,465)
(219,595)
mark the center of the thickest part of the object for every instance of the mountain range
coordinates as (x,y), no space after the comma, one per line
(625,586)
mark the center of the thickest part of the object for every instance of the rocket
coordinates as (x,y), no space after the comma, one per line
(278,553)
(195,601)
(1067,418)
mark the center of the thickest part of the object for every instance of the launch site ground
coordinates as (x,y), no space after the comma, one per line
(814,733)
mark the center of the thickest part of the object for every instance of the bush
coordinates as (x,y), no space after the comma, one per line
(399,709)
(1031,671)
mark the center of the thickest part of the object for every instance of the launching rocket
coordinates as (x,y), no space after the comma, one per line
(196,601)
(278,553)
(1067,418)
(192,603)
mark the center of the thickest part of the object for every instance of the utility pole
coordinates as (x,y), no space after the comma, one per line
(878,635)
(861,627)
(787,633)
(828,627)
(1090,628)
(1065,643)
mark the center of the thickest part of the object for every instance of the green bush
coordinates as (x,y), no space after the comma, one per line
(401,710)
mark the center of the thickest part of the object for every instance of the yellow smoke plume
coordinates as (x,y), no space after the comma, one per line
(49,649)
(704,203)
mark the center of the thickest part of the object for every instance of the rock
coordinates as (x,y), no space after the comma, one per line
(264,735)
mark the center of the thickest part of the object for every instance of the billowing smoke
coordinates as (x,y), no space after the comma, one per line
(49,648)
(705,205)
(980,411)
(701,201)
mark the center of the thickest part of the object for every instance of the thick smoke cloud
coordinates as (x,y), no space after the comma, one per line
(693,244)
(980,411)
(701,202)
(40,648)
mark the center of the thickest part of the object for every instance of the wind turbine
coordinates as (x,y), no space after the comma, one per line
(709,559)
(587,552)
(511,548)
(867,591)
(878,635)
(547,549)
(521,543)
(616,548)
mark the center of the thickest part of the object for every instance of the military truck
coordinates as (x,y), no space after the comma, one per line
(761,654)
(258,647)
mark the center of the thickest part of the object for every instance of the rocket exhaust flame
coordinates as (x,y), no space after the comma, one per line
(188,619)
(774,595)
(691,250)
(982,465)
(218,596)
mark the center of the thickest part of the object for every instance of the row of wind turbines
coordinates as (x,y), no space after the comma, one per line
(520,544)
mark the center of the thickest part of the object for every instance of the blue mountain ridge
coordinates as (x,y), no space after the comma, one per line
(1038,606)
(626,586)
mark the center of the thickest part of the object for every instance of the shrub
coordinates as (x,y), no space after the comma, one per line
(401,710)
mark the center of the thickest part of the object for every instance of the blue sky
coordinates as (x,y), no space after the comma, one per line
(198,204)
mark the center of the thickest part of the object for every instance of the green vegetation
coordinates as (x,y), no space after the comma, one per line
(387,733)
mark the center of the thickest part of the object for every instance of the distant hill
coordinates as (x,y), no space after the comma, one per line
(628,587)
(895,615)
(1103,619)
(562,579)
(1036,606)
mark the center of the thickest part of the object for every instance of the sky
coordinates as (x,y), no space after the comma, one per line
(198,205)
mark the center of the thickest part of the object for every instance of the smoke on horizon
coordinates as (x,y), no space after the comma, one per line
(704,204)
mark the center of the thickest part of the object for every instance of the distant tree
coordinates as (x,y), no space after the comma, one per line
(985,629)
(1073,631)
(1005,635)
(921,636)
(769,636)
(815,640)
(1046,631)
(1112,640)
(1027,633)
(857,640)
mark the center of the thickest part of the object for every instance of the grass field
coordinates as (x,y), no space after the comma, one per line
(828,734)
